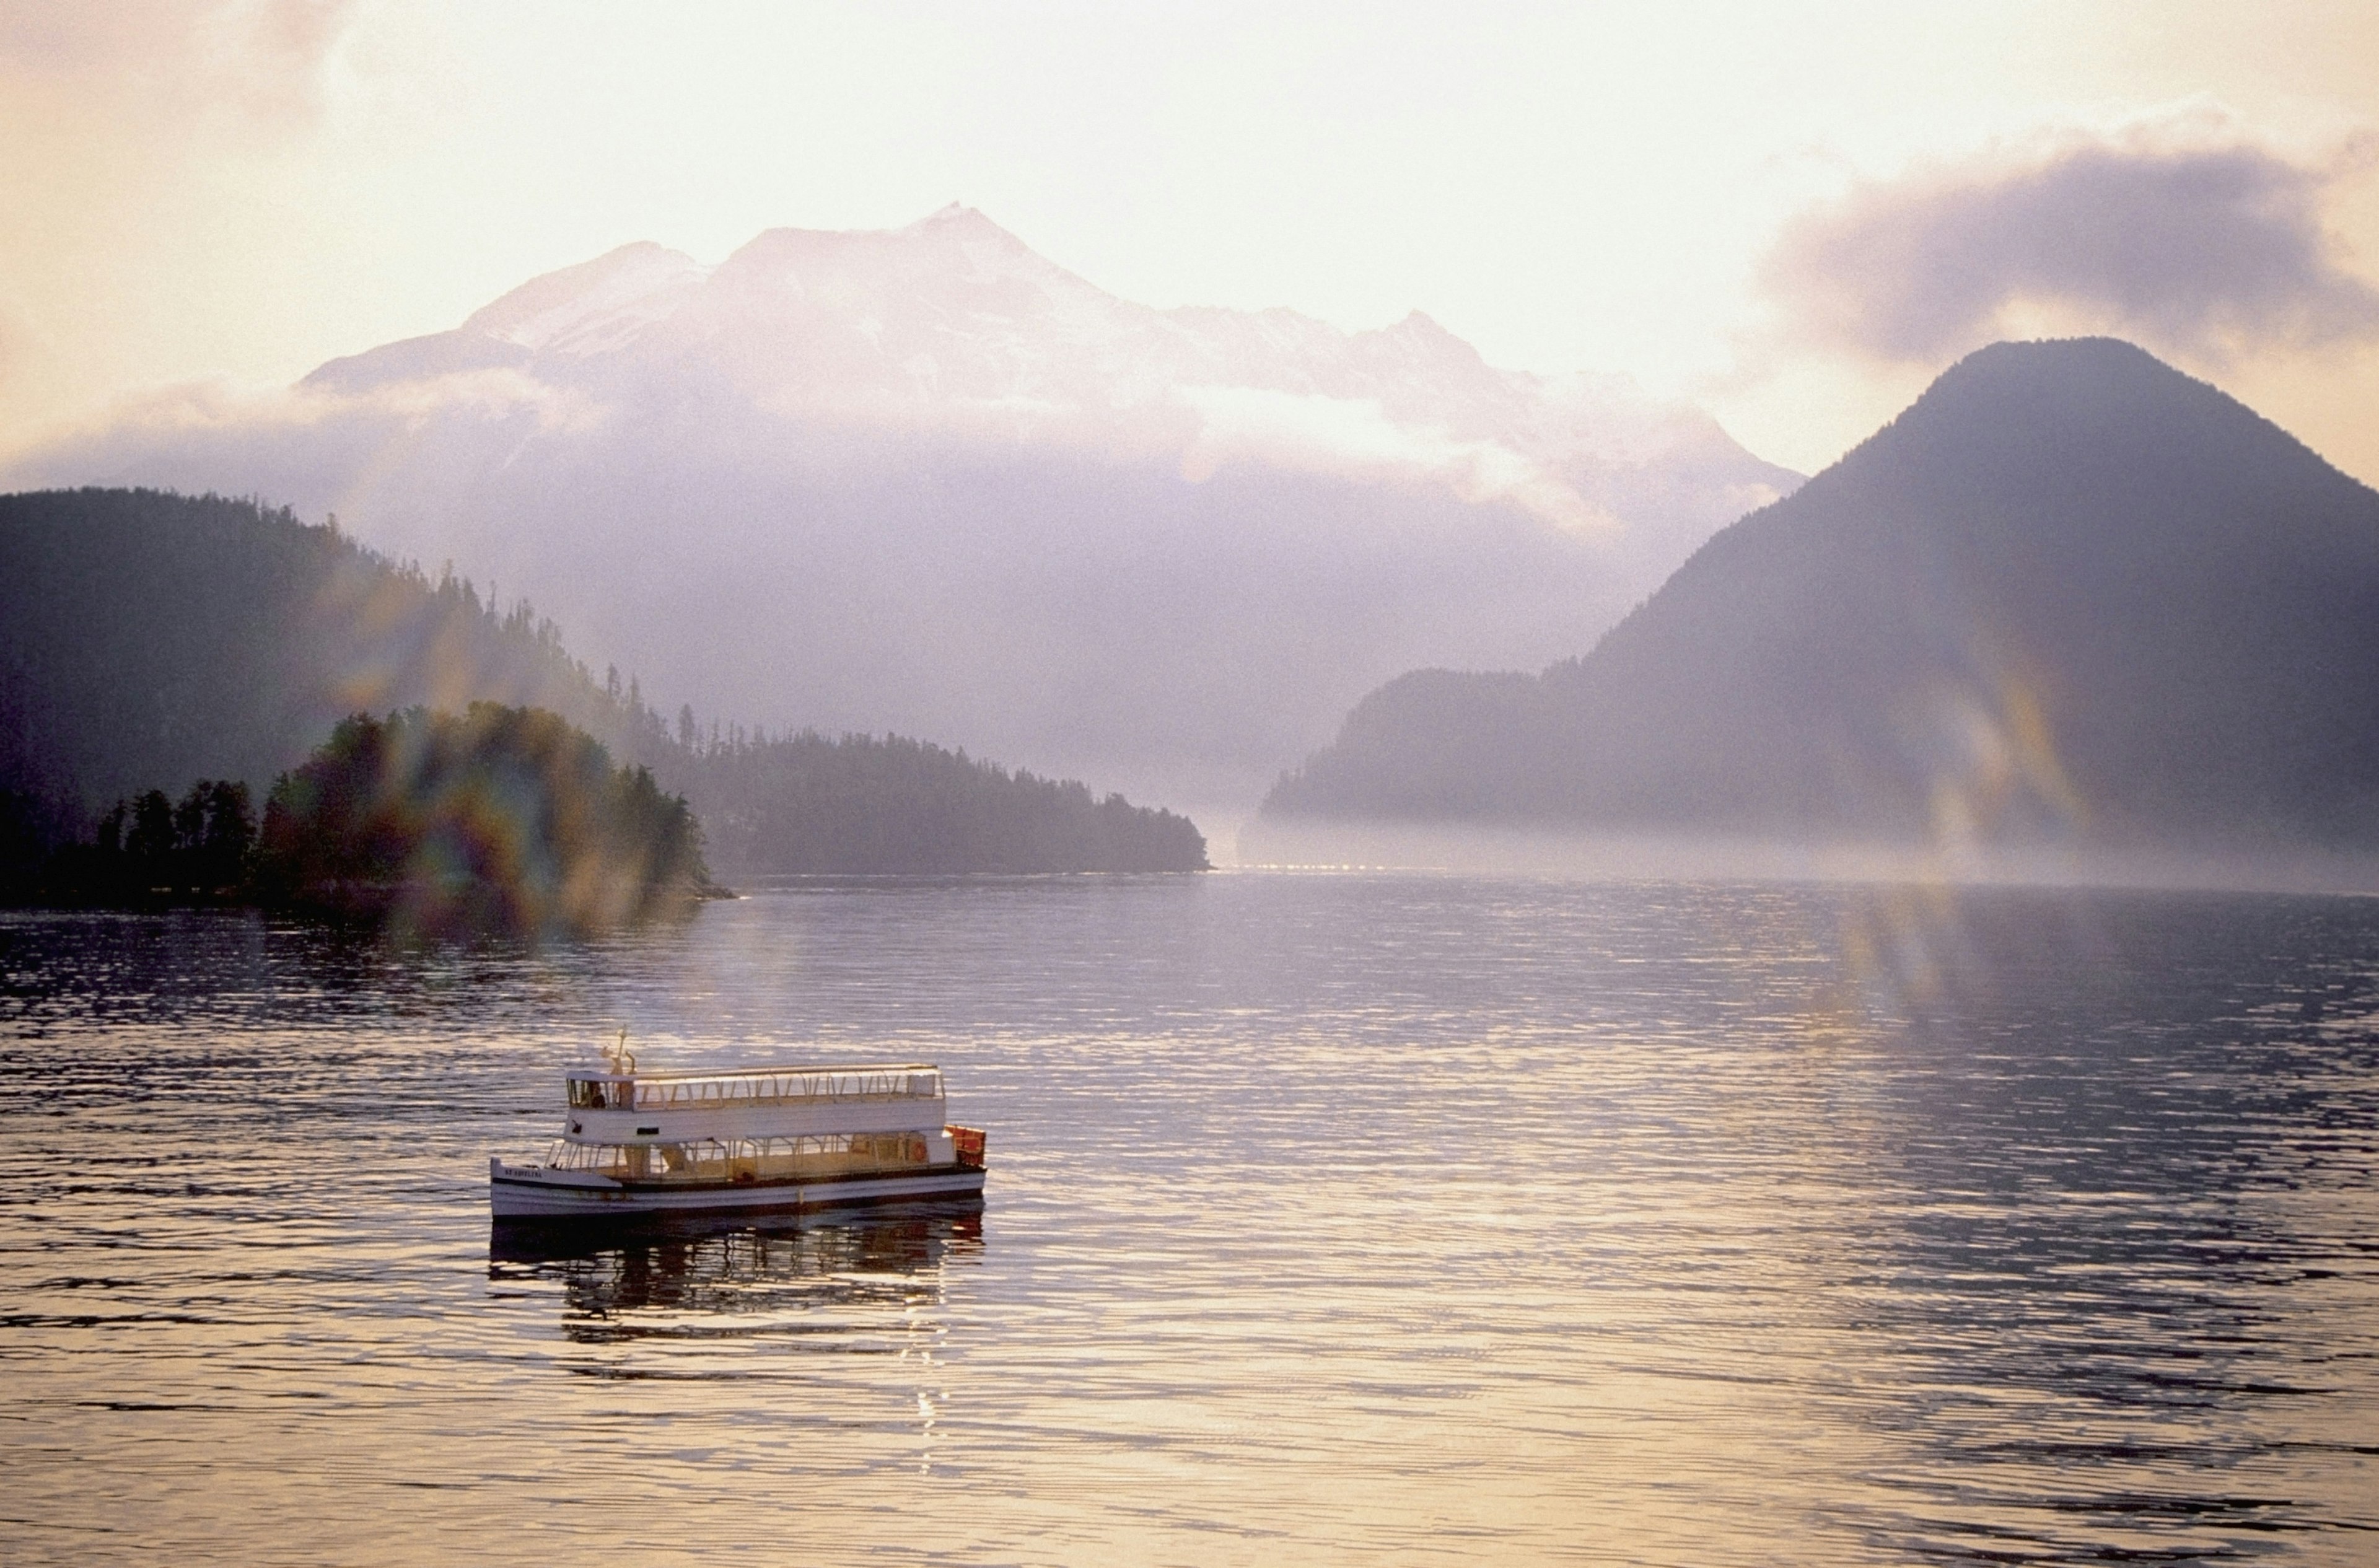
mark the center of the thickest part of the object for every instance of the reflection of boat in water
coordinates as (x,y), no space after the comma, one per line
(770,1140)
(679,1279)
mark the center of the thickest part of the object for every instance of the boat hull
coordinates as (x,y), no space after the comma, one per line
(517,1196)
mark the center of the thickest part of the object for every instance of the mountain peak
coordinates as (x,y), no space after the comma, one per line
(954,245)
(2093,379)
(1423,330)
(960,219)
(1419,340)
(954,225)
(2035,356)
(2070,596)
(549,306)
(2076,375)
(2012,414)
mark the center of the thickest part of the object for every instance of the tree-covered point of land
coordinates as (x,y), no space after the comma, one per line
(502,817)
(862,805)
(149,849)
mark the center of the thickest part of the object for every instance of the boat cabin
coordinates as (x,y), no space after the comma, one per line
(766,1124)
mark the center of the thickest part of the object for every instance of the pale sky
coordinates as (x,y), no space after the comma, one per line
(1795,215)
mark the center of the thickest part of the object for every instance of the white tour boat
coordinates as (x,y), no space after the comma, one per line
(762,1140)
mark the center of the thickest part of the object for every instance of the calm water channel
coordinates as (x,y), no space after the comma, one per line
(1333,1218)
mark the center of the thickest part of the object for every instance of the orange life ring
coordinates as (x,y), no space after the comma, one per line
(917,1150)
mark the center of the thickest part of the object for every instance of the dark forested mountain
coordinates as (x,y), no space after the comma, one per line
(146,639)
(150,640)
(2068,596)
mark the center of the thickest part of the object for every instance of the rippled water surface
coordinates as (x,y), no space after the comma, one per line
(1332,1218)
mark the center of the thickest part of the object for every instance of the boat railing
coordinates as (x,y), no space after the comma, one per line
(666,1091)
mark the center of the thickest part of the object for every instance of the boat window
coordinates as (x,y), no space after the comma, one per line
(743,1159)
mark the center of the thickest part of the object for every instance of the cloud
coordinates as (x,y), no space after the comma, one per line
(261,58)
(18,341)
(219,405)
(2182,232)
(1355,437)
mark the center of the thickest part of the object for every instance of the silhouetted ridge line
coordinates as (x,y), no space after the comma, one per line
(2070,596)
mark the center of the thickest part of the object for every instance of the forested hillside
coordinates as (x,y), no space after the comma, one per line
(150,640)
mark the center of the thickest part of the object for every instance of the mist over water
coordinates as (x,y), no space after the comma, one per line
(1941,863)
(1336,1218)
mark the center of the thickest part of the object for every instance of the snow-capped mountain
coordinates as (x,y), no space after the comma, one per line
(953,324)
(925,478)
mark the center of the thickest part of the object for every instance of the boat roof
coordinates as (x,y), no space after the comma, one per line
(811,1070)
